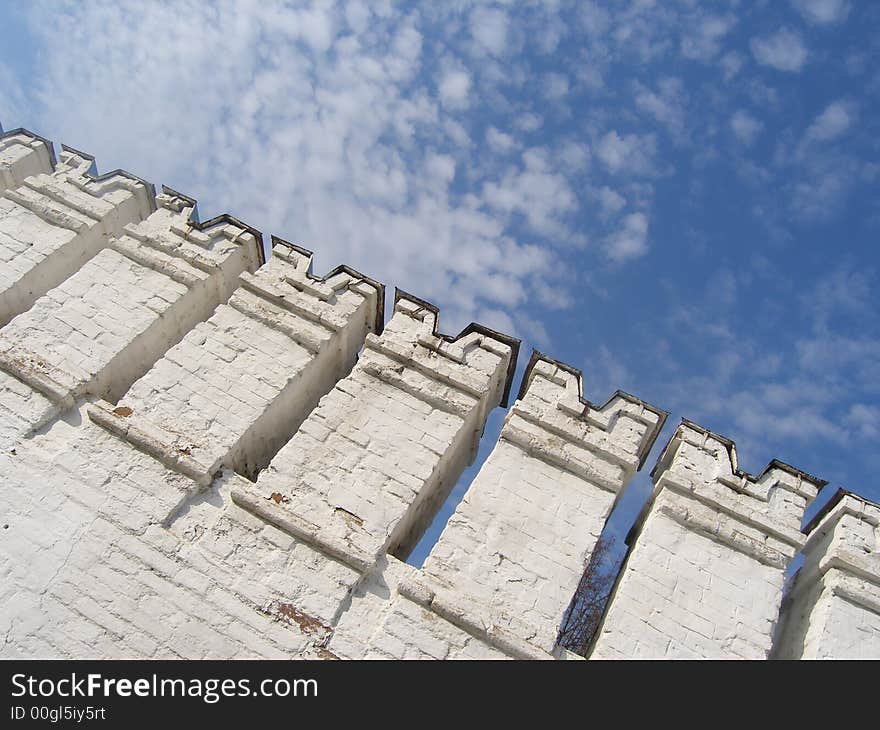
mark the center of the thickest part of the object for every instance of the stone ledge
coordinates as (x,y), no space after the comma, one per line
(479,335)
(602,446)
(36,373)
(47,210)
(149,439)
(439,371)
(739,512)
(277,318)
(460,615)
(604,416)
(793,479)
(534,446)
(319,315)
(452,401)
(293,524)
(171,266)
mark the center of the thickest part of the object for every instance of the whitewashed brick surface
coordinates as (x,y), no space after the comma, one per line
(88,570)
(205,458)
(238,385)
(106,324)
(520,539)
(833,609)
(367,469)
(704,578)
(54,221)
(23,154)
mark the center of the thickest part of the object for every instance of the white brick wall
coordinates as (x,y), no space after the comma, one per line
(149,371)
(705,576)
(833,608)
(368,467)
(53,222)
(518,542)
(89,571)
(23,154)
(104,326)
(238,385)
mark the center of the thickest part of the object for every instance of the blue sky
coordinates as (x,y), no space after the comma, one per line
(678,198)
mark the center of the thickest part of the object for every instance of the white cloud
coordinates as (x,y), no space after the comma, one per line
(783,50)
(499,141)
(745,127)
(836,119)
(822,12)
(610,201)
(630,241)
(529,122)
(313,122)
(489,28)
(454,88)
(12,102)
(536,192)
(731,63)
(631,154)
(704,36)
(666,104)
(554,86)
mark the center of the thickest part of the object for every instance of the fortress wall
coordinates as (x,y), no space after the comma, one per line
(89,570)
(104,326)
(22,154)
(705,574)
(504,570)
(368,467)
(518,542)
(833,608)
(53,221)
(206,455)
(238,385)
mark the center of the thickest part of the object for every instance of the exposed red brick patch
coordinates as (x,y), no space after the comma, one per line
(289,613)
(123,411)
(278,498)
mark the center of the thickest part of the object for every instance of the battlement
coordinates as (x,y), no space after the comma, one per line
(54,217)
(701,466)
(705,572)
(833,607)
(284,337)
(205,453)
(370,465)
(23,154)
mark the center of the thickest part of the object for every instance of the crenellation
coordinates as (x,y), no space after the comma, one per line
(833,606)
(358,472)
(23,154)
(726,539)
(99,329)
(206,454)
(516,547)
(53,222)
(238,385)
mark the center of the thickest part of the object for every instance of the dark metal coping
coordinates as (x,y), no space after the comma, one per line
(380,288)
(835,499)
(512,342)
(151,189)
(731,452)
(222,218)
(579,376)
(22,130)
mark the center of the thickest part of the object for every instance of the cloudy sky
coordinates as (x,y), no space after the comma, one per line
(678,198)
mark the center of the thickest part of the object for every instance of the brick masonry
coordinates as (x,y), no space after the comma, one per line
(204,454)
(705,576)
(833,609)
